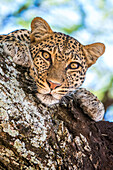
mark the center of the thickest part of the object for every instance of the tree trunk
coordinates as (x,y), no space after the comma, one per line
(34,136)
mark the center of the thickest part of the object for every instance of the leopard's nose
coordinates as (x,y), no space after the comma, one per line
(53,85)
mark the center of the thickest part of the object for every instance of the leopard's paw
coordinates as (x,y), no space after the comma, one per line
(22,56)
(8,48)
(18,51)
(90,104)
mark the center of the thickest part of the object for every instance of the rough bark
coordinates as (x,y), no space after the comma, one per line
(34,136)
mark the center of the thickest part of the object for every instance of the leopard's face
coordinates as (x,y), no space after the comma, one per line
(60,64)
(58,61)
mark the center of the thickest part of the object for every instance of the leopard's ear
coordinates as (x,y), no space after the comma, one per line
(39,29)
(93,52)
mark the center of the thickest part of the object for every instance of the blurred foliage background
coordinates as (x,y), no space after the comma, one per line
(87,21)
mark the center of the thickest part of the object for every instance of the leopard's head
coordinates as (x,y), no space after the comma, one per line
(60,62)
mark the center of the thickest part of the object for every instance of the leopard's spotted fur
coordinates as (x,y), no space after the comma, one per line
(57,62)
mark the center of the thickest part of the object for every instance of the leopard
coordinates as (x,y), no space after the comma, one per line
(57,63)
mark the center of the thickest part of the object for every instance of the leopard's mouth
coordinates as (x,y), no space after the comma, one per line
(47,99)
(49,94)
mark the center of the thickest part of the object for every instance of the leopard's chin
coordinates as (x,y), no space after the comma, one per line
(47,99)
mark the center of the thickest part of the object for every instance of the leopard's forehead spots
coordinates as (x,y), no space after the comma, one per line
(66,46)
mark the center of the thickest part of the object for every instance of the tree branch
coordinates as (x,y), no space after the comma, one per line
(34,136)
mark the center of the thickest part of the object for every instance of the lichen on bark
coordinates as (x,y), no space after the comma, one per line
(34,136)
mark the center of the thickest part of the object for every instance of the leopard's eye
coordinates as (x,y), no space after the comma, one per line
(73,66)
(46,55)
